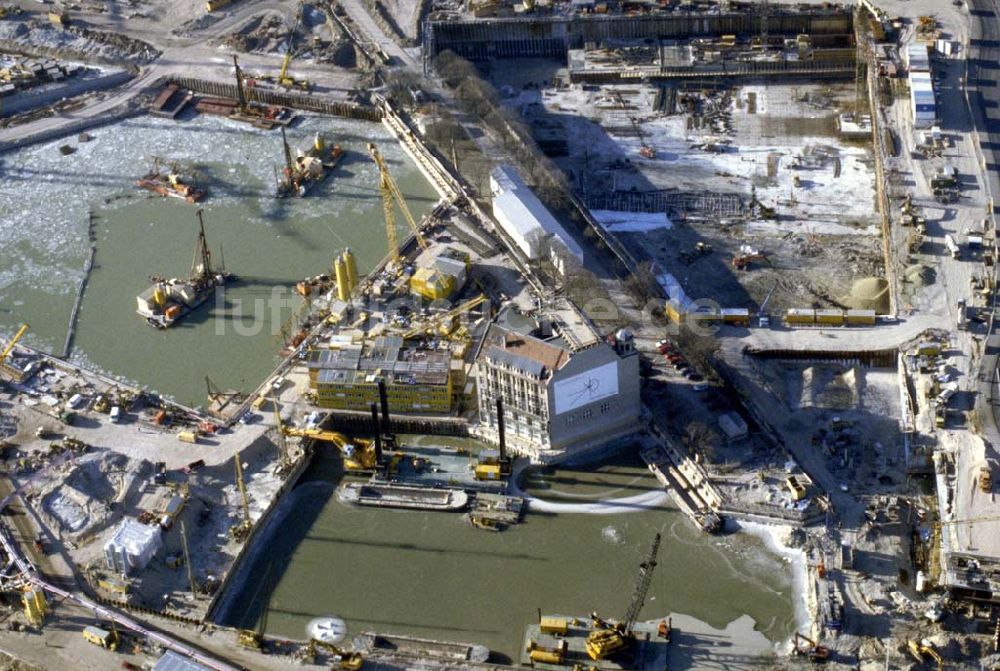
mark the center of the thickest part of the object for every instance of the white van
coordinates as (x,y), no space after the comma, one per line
(75,401)
(116,414)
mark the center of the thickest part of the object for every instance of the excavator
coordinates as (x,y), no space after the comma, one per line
(359,454)
(803,645)
(922,648)
(349,661)
(607,638)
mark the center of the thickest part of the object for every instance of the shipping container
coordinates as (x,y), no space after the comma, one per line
(800,316)
(830,317)
(736,316)
(860,317)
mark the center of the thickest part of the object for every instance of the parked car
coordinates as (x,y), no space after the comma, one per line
(695,377)
(700,386)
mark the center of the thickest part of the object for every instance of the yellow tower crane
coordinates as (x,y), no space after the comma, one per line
(241,529)
(391,194)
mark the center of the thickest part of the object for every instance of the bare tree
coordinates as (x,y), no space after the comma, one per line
(642,284)
(700,440)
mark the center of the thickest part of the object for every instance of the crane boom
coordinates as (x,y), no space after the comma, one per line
(435,322)
(390,194)
(641,585)
(13,341)
(243,489)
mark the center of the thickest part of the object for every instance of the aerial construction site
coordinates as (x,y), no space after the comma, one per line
(562,335)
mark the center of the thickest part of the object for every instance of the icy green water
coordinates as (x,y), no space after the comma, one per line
(269,244)
(433,575)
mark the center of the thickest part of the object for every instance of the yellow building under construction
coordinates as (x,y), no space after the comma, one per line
(418,381)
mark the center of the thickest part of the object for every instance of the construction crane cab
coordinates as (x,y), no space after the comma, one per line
(607,639)
(805,646)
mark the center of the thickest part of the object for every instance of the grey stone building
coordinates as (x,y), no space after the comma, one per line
(564,390)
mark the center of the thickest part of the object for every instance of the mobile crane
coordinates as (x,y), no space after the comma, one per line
(284,80)
(606,638)
(241,529)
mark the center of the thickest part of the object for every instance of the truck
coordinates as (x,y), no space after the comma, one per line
(949,242)
(963,314)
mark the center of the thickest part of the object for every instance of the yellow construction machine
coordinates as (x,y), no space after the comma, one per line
(284,80)
(924,648)
(607,638)
(391,195)
(359,453)
(349,661)
(241,529)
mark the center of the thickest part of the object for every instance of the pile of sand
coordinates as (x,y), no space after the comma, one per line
(869,293)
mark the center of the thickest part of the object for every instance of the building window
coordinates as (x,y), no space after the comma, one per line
(605,407)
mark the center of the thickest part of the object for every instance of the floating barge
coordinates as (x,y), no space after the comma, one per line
(389,495)
(308,167)
(659,464)
(170,184)
(168,300)
(423,648)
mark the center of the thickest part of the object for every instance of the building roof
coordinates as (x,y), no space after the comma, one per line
(523,209)
(384,357)
(524,352)
(171,661)
(135,537)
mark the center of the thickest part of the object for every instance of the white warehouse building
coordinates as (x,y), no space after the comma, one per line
(132,546)
(527,222)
